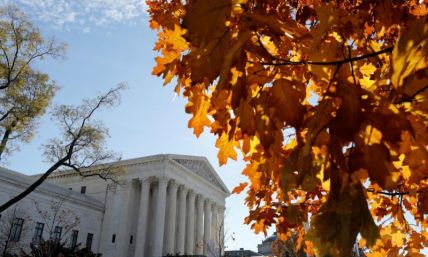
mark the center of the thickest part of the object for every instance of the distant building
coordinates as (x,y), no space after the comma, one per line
(241,253)
(265,248)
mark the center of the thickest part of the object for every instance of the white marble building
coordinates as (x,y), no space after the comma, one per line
(162,204)
(35,214)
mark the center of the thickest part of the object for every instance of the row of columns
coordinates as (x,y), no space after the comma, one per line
(175,230)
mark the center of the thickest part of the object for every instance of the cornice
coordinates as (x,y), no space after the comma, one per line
(116,166)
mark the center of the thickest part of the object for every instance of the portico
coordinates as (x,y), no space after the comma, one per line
(174,224)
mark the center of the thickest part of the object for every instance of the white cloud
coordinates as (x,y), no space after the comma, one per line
(84,13)
(86,30)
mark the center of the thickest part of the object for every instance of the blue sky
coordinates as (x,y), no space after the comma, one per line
(109,41)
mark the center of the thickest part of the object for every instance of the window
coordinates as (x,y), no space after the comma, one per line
(38,232)
(57,233)
(113,238)
(74,235)
(83,190)
(131,239)
(89,240)
(16,229)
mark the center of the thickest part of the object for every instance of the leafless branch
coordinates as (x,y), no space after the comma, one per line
(85,141)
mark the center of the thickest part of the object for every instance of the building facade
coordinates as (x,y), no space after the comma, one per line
(50,212)
(158,205)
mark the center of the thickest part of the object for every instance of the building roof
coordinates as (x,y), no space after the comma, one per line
(241,253)
(270,239)
(23,181)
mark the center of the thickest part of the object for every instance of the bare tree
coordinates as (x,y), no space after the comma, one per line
(25,93)
(12,228)
(82,141)
(57,216)
(216,247)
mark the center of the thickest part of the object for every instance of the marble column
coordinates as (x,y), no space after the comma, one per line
(181,225)
(221,210)
(170,229)
(142,218)
(160,218)
(207,227)
(190,237)
(215,225)
(199,225)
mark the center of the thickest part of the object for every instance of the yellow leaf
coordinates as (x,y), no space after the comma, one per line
(259,226)
(249,145)
(236,74)
(238,189)
(175,38)
(269,45)
(198,106)
(372,135)
(366,82)
(376,254)
(397,238)
(226,148)
(368,69)
(405,171)
(325,183)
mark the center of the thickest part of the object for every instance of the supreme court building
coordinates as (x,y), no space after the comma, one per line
(162,204)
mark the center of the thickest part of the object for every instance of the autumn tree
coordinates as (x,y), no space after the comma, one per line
(326,102)
(25,93)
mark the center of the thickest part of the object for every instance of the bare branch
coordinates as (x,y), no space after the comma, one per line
(86,145)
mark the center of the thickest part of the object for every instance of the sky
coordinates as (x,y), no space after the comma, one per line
(109,41)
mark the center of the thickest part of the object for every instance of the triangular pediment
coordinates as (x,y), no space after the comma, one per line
(201,167)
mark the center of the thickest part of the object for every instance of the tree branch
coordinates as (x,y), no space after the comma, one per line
(33,186)
(282,62)
(7,114)
(395,193)
(411,98)
(67,155)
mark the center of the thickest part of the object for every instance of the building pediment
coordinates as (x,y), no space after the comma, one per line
(201,167)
